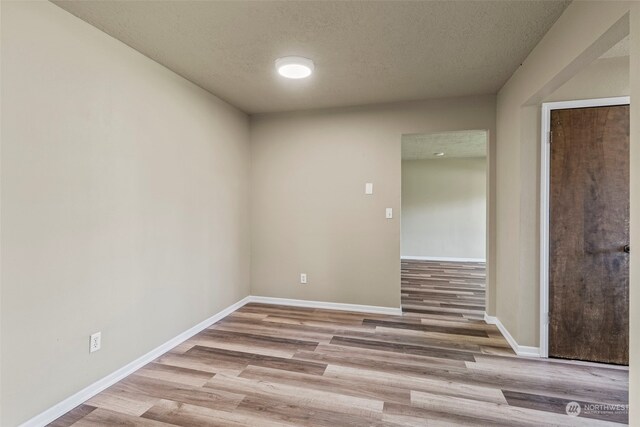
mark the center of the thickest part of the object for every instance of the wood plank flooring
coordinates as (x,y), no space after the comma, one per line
(450,289)
(438,364)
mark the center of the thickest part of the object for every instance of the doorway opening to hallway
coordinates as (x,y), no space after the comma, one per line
(444,225)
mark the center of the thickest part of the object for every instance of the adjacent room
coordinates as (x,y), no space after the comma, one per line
(444,206)
(319,213)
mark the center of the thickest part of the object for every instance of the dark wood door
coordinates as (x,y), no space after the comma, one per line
(589,229)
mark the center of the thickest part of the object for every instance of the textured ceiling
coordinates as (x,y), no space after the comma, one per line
(468,143)
(365,51)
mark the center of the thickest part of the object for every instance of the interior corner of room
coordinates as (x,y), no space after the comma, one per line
(175,215)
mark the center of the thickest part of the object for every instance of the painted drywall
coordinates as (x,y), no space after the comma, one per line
(309,211)
(603,78)
(125,199)
(1,43)
(444,208)
(581,35)
(634,315)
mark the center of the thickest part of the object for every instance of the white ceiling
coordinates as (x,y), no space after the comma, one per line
(365,51)
(423,146)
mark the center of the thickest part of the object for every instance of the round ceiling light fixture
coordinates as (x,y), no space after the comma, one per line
(294,67)
(438,154)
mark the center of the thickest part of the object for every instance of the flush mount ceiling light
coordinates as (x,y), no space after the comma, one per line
(294,67)
(438,154)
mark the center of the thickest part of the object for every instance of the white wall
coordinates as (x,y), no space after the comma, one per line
(444,208)
(125,199)
(309,211)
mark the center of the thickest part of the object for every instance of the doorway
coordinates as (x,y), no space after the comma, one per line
(585,230)
(443,224)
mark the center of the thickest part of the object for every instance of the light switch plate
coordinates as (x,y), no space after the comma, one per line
(389,213)
(368,188)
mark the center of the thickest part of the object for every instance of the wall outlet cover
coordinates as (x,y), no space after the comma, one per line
(95,342)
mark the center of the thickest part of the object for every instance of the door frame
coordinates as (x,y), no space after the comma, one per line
(545,165)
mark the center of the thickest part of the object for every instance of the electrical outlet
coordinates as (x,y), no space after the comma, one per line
(95,342)
(303,278)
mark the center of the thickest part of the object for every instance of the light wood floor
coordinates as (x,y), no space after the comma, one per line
(439,364)
(450,289)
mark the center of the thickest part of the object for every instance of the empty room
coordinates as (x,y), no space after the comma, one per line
(319,213)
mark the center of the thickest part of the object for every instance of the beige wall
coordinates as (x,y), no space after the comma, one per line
(582,34)
(634,350)
(603,78)
(125,198)
(444,208)
(126,208)
(1,132)
(309,211)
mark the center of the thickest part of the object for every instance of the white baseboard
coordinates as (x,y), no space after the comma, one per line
(392,311)
(435,258)
(88,392)
(520,350)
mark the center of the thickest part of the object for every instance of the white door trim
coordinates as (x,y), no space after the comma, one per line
(545,163)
